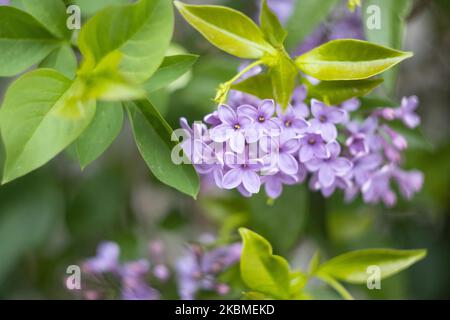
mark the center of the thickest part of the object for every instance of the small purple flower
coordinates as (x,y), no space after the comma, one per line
(407,113)
(312,146)
(290,122)
(398,141)
(377,188)
(325,119)
(365,166)
(330,168)
(263,124)
(106,260)
(232,129)
(409,182)
(243,173)
(281,153)
(343,183)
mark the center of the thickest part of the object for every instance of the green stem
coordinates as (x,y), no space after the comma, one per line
(225,87)
(336,286)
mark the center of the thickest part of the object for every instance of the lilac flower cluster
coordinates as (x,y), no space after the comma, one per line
(195,271)
(132,277)
(258,144)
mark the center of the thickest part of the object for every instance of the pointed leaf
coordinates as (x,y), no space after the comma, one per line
(261,270)
(172,68)
(62,59)
(336,92)
(271,26)
(140,32)
(23,41)
(283,76)
(352,266)
(153,138)
(42,113)
(102,131)
(50,13)
(260,86)
(349,59)
(227,29)
(392,15)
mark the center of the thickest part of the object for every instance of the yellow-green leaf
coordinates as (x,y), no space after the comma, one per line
(349,59)
(227,29)
(261,270)
(352,267)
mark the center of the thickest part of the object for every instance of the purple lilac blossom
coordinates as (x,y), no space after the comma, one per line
(306,144)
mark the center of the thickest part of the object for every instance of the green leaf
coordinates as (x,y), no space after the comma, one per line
(42,114)
(106,83)
(306,17)
(89,7)
(336,92)
(153,139)
(283,75)
(391,33)
(260,86)
(23,41)
(227,29)
(172,68)
(261,270)
(271,26)
(102,131)
(349,59)
(62,59)
(140,32)
(352,267)
(50,13)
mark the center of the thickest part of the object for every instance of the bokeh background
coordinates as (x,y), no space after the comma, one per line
(56,216)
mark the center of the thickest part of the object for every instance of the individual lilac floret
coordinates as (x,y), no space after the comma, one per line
(198,270)
(409,182)
(325,119)
(106,260)
(378,188)
(232,129)
(263,124)
(407,113)
(330,168)
(290,122)
(243,172)
(312,146)
(281,152)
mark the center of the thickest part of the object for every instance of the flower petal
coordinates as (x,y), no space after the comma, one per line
(251,181)
(227,114)
(287,164)
(317,108)
(237,142)
(328,131)
(267,108)
(232,179)
(326,176)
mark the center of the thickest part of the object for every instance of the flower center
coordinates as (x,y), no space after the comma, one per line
(323,118)
(237,126)
(261,119)
(288,123)
(311,141)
